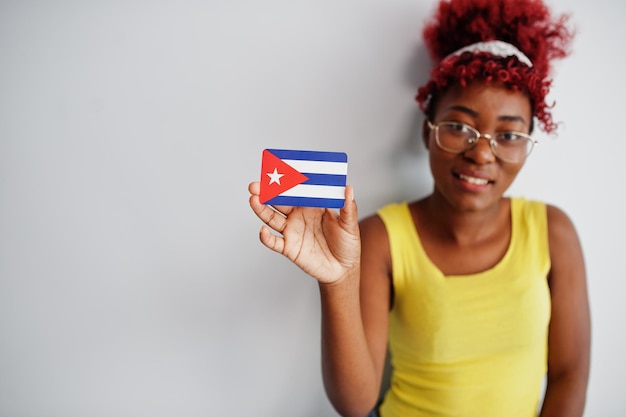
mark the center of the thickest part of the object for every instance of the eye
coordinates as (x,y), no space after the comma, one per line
(510,137)
(457,129)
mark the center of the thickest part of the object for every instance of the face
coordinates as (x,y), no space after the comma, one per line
(475,179)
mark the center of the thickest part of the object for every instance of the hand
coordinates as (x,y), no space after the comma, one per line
(324,244)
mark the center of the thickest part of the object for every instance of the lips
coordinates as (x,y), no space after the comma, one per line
(473,178)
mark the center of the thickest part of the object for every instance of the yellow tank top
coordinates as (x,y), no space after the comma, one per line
(472,345)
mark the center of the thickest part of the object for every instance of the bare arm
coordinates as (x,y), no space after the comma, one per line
(354,327)
(345,261)
(570,334)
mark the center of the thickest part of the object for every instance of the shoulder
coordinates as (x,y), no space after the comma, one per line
(375,246)
(377,223)
(566,254)
(560,226)
(373,230)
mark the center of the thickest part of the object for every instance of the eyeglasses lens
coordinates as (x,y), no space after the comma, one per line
(508,146)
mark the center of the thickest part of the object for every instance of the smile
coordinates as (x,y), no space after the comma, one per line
(474,180)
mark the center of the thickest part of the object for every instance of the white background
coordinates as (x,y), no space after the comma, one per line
(132,281)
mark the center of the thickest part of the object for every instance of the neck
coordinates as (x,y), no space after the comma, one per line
(463,226)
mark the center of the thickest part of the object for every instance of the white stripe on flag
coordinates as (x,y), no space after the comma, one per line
(315,191)
(318,167)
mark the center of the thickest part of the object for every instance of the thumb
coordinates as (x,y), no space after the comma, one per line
(348,214)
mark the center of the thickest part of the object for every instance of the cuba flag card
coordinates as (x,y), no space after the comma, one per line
(303,178)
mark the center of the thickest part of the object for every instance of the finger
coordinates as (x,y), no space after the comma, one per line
(254,188)
(273,218)
(273,242)
(348,214)
(284,210)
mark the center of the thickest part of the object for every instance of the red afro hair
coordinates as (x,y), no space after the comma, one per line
(526,24)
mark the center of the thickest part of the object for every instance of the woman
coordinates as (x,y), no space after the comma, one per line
(478,296)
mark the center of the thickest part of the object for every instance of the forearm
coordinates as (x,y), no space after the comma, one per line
(565,396)
(569,336)
(350,376)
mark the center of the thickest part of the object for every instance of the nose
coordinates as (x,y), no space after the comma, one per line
(481,151)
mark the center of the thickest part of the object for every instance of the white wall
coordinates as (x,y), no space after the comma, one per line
(132,282)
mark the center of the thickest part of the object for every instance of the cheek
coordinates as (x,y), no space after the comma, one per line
(440,161)
(513,169)
(438,155)
(510,172)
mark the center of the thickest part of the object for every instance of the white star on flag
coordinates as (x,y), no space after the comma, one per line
(274,177)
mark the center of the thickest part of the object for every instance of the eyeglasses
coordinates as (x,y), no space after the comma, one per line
(456,137)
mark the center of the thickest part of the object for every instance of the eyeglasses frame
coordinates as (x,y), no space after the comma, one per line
(492,142)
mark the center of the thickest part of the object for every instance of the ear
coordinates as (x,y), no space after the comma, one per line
(426,133)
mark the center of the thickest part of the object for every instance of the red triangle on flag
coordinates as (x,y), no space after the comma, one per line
(277,176)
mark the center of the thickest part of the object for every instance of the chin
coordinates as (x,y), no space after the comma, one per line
(473,203)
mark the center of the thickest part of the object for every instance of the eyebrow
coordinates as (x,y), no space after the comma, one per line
(474,113)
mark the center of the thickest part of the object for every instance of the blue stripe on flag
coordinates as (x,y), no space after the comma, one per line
(310,155)
(325,179)
(306,202)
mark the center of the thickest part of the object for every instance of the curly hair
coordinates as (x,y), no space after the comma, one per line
(526,24)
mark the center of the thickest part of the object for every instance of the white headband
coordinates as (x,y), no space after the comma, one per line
(495,48)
